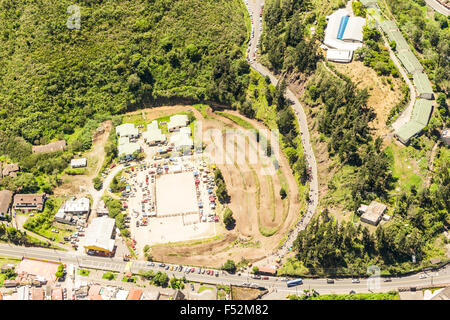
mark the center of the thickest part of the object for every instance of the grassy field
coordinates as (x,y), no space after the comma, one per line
(203,288)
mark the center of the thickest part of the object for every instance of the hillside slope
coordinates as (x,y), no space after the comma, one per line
(126,53)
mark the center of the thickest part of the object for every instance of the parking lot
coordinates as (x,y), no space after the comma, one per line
(169,199)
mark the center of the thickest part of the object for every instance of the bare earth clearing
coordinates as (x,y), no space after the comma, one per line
(255,200)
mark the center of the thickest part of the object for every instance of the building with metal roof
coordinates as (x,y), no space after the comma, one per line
(181,141)
(127,150)
(419,120)
(423,85)
(343,32)
(153,125)
(446,136)
(422,111)
(177,121)
(400,42)
(99,236)
(339,55)
(388,26)
(410,62)
(127,130)
(78,163)
(153,136)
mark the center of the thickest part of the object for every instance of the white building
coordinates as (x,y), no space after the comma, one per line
(128,149)
(77,206)
(181,141)
(78,163)
(153,136)
(127,130)
(186,130)
(99,235)
(339,55)
(344,32)
(446,136)
(177,121)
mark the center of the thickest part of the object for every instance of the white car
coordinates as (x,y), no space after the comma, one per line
(422,276)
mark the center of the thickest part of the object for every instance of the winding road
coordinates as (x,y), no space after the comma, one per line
(254,7)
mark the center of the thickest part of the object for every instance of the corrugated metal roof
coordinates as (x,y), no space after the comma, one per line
(400,42)
(422,111)
(127,130)
(422,83)
(408,130)
(410,62)
(388,26)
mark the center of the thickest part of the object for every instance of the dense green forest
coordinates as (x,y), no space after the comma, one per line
(286,42)
(126,54)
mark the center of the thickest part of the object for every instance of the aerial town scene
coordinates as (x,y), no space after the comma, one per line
(225,150)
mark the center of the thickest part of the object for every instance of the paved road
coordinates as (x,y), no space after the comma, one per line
(436,6)
(277,287)
(254,6)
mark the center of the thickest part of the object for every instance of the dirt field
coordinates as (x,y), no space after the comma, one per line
(79,185)
(255,202)
(382,99)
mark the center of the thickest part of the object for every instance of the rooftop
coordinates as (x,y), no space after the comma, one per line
(422,83)
(127,130)
(99,233)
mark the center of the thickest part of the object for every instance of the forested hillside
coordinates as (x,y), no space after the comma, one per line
(126,53)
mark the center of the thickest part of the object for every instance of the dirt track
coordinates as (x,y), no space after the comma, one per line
(252,196)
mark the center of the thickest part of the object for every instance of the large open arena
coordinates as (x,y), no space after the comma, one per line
(177,232)
(175,193)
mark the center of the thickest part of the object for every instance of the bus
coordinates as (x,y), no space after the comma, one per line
(295,282)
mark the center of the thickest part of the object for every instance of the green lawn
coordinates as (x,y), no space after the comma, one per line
(203,288)
(238,120)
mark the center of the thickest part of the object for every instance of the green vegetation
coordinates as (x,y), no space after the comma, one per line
(358,9)
(222,291)
(60,272)
(42,222)
(109,276)
(375,54)
(160,279)
(229,266)
(176,283)
(228,219)
(115,211)
(204,288)
(154,54)
(283,193)
(236,119)
(7,275)
(285,43)
(221,191)
(129,279)
(83,272)
(392,295)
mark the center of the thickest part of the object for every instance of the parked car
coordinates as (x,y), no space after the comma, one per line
(330,281)
(355,281)
(387,280)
